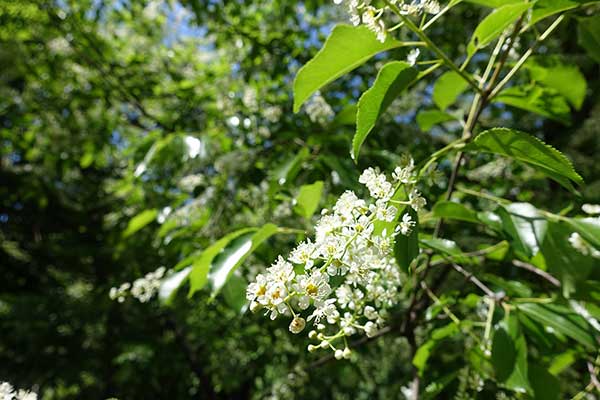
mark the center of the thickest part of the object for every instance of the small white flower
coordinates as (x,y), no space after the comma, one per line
(304,253)
(417,201)
(370,329)
(411,58)
(406,224)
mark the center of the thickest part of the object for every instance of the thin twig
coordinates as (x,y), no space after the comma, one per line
(537,271)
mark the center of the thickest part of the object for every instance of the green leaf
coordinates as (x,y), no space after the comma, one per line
(429,118)
(493,3)
(537,99)
(393,78)
(509,355)
(447,89)
(424,351)
(588,36)
(234,255)
(139,221)
(588,228)
(546,8)
(494,24)
(170,285)
(234,293)
(346,48)
(561,320)
(287,171)
(528,149)
(570,266)
(406,248)
(308,199)
(433,389)
(503,354)
(545,385)
(565,79)
(452,210)
(201,267)
(523,223)
(346,117)
(562,362)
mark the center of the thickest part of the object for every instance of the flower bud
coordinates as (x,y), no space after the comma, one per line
(297,325)
(324,344)
(255,306)
(339,354)
(347,353)
(312,334)
(312,348)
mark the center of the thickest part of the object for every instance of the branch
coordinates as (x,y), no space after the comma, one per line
(537,271)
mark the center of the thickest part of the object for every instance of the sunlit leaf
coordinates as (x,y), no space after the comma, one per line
(447,89)
(427,119)
(392,79)
(308,199)
(346,48)
(452,210)
(139,221)
(494,24)
(526,148)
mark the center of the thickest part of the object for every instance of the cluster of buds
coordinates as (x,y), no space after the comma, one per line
(345,280)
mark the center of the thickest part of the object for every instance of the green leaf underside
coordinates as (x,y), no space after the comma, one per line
(199,275)
(537,99)
(406,248)
(565,79)
(509,355)
(561,320)
(346,48)
(424,351)
(139,221)
(234,255)
(447,88)
(494,24)
(393,78)
(452,210)
(308,199)
(528,149)
(427,119)
(523,223)
(546,8)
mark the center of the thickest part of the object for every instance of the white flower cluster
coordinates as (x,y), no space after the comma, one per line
(318,110)
(582,246)
(8,392)
(142,289)
(371,17)
(345,281)
(591,209)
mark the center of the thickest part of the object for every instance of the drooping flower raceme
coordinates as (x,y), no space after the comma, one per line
(343,282)
(7,392)
(142,289)
(372,17)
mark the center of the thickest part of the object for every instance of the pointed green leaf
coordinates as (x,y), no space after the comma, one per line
(426,119)
(139,221)
(523,223)
(546,8)
(562,320)
(171,284)
(447,89)
(235,254)
(308,199)
(545,385)
(509,355)
(201,267)
(346,48)
(537,99)
(393,78)
(494,24)
(526,148)
(424,351)
(567,80)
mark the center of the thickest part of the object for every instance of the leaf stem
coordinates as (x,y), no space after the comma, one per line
(525,56)
(419,32)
